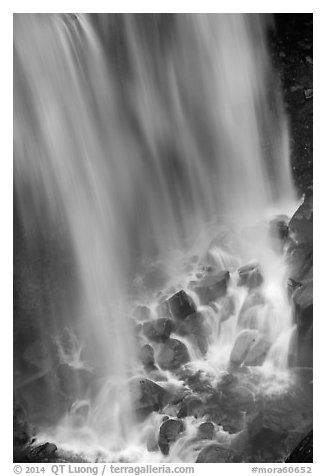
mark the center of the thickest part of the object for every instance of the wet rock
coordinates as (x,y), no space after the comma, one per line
(198,381)
(179,306)
(172,355)
(194,324)
(146,356)
(212,287)
(236,396)
(169,432)
(158,330)
(163,310)
(292,285)
(300,262)
(216,454)
(206,430)
(244,341)
(250,276)
(191,406)
(301,224)
(303,308)
(257,352)
(42,453)
(303,452)
(266,429)
(303,302)
(147,396)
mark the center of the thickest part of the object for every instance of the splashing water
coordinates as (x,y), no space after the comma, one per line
(139,136)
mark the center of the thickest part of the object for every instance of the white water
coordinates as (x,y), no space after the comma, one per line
(134,149)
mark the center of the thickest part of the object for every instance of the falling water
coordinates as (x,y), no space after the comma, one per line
(133,134)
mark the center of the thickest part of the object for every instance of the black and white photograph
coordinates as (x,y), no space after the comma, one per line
(162,239)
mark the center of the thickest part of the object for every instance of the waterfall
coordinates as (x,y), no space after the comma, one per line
(131,134)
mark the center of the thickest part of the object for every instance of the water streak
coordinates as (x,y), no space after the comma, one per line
(132,133)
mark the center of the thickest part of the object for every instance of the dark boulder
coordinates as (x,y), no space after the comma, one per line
(146,356)
(42,453)
(169,432)
(197,381)
(158,330)
(178,306)
(206,430)
(197,329)
(172,355)
(250,276)
(191,406)
(147,396)
(292,285)
(303,308)
(301,224)
(194,324)
(181,305)
(300,262)
(215,453)
(212,287)
(303,452)
(303,302)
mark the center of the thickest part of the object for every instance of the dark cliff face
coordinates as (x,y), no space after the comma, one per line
(293,55)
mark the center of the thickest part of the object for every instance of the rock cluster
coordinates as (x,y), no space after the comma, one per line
(300,263)
(184,319)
